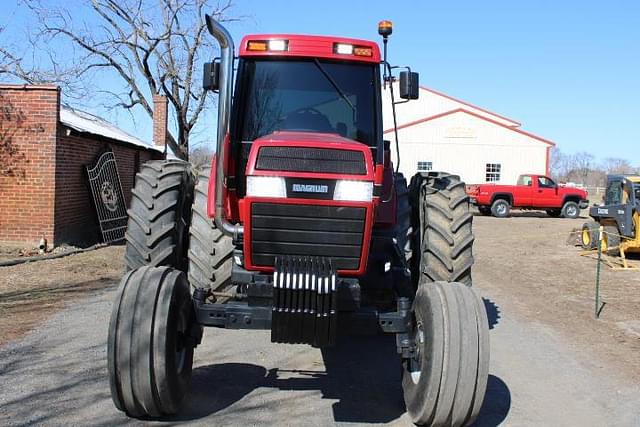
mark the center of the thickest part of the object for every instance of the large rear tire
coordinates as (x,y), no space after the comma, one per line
(157,231)
(210,251)
(152,334)
(444,383)
(443,223)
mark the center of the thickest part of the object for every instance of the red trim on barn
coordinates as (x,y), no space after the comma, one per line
(471,113)
(517,124)
(548,167)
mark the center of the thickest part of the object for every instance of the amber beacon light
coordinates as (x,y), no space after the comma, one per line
(385,28)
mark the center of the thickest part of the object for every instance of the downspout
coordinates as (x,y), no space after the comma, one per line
(224,112)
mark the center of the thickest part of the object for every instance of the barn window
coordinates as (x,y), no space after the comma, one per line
(424,166)
(492,172)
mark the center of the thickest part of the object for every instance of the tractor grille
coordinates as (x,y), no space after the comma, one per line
(333,232)
(306,159)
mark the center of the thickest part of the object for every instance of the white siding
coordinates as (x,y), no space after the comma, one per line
(463,144)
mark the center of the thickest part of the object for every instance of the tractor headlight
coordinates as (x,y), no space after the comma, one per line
(266,186)
(355,191)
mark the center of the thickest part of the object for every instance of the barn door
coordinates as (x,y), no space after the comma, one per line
(108,197)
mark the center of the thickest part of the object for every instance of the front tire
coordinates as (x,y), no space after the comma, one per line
(570,210)
(157,230)
(445,381)
(152,334)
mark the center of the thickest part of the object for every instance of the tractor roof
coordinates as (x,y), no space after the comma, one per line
(292,45)
(619,177)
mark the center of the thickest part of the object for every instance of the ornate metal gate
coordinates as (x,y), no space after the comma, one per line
(108,197)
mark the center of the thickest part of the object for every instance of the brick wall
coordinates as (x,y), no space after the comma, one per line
(43,185)
(28,122)
(75,220)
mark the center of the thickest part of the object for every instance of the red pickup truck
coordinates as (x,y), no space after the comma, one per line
(531,192)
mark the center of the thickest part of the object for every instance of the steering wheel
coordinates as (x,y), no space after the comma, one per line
(307,119)
(307,110)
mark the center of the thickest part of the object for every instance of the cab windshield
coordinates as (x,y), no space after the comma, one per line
(308,96)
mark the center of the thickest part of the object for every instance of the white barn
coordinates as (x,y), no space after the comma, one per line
(441,133)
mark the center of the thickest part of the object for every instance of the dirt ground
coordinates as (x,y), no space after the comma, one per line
(31,292)
(526,259)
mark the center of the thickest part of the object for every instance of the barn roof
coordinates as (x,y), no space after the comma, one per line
(84,122)
(471,113)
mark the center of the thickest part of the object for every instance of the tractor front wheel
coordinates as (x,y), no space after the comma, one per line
(445,380)
(152,334)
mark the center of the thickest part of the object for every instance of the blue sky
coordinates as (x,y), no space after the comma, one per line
(567,70)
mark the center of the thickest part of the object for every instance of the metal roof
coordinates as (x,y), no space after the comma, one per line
(84,122)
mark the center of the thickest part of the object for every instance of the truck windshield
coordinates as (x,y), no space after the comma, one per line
(308,96)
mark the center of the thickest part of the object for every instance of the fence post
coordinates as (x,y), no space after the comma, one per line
(600,237)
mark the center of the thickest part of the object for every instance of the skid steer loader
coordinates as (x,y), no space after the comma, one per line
(619,217)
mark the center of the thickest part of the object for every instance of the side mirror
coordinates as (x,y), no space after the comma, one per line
(409,87)
(211,75)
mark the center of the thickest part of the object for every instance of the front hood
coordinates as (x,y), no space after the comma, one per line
(313,154)
(312,138)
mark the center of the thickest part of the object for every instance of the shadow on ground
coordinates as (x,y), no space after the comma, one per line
(493,312)
(363,374)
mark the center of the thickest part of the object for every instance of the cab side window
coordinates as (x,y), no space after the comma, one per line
(613,196)
(545,182)
(525,180)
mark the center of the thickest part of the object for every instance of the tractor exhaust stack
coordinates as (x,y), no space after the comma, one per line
(224,111)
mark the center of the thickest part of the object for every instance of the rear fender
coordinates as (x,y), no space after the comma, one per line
(505,196)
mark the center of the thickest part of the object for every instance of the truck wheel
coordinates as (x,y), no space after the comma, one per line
(611,240)
(150,344)
(210,251)
(590,235)
(157,230)
(443,239)
(444,383)
(571,210)
(500,208)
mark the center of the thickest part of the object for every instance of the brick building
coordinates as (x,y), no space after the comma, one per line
(44,148)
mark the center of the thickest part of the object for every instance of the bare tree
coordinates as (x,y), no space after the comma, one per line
(614,165)
(559,163)
(153,46)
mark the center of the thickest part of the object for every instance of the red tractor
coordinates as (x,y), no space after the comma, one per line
(301,227)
